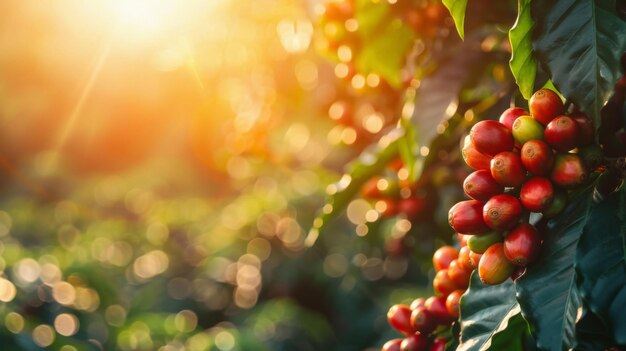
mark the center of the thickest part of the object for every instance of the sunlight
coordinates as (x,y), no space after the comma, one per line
(142,17)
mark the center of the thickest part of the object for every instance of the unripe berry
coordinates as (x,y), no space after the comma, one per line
(558,203)
(508,117)
(527,128)
(480,244)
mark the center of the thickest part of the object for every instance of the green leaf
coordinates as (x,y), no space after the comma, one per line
(579,44)
(601,264)
(371,162)
(491,318)
(522,63)
(457,11)
(591,333)
(547,292)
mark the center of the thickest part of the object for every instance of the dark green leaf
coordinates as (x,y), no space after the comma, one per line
(601,264)
(547,291)
(591,333)
(372,161)
(579,43)
(522,63)
(491,318)
(457,10)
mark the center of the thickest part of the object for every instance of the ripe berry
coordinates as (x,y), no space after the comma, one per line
(527,128)
(494,267)
(475,258)
(464,258)
(510,115)
(399,317)
(466,217)
(502,212)
(544,105)
(480,243)
(443,256)
(473,157)
(415,342)
(586,128)
(536,194)
(418,302)
(453,303)
(537,157)
(423,321)
(439,344)
(562,133)
(392,345)
(480,185)
(459,274)
(443,284)
(436,305)
(491,137)
(568,171)
(559,201)
(522,244)
(507,169)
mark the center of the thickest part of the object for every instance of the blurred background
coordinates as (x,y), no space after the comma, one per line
(162,162)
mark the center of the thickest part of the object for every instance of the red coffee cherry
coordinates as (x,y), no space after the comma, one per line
(420,301)
(568,171)
(436,305)
(502,212)
(392,345)
(453,302)
(423,320)
(522,245)
(474,158)
(494,268)
(459,274)
(562,134)
(507,169)
(443,284)
(464,258)
(537,157)
(399,317)
(480,185)
(415,342)
(586,128)
(544,105)
(510,115)
(466,217)
(536,194)
(491,137)
(443,256)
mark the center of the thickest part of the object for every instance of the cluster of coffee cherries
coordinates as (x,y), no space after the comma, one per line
(525,162)
(424,318)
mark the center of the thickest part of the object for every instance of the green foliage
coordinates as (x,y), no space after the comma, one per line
(491,318)
(579,43)
(601,264)
(457,10)
(547,292)
(522,63)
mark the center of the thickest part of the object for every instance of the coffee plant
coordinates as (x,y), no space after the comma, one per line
(505,146)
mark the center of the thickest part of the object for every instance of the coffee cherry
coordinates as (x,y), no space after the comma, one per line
(392,345)
(508,117)
(522,244)
(459,274)
(453,302)
(568,171)
(443,256)
(439,344)
(419,302)
(586,128)
(507,169)
(370,190)
(491,137)
(544,105)
(436,305)
(494,267)
(411,207)
(415,20)
(591,155)
(464,258)
(502,212)
(480,243)
(536,194)
(527,128)
(559,201)
(537,157)
(475,258)
(399,317)
(480,185)
(466,217)
(443,284)
(462,239)
(339,10)
(423,321)
(562,133)
(415,342)
(473,158)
